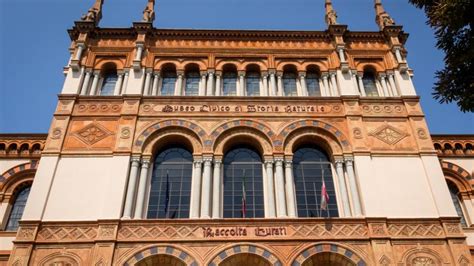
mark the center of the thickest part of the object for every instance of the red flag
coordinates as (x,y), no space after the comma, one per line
(324,197)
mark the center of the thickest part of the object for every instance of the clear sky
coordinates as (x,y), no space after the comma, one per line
(34,45)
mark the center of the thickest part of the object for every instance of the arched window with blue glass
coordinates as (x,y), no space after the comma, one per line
(290,75)
(168,82)
(243,183)
(170,188)
(252,80)
(109,79)
(455,196)
(312,81)
(18,206)
(229,80)
(370,85)
(192,77)
(311,169)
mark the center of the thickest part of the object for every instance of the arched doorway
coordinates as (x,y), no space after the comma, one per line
(161,260)
(246,259)
(328,259)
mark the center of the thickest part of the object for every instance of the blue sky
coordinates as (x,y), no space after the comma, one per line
(34,45)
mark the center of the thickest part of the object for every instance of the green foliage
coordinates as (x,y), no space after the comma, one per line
(452,21)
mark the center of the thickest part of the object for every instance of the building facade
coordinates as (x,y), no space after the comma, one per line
(229,147)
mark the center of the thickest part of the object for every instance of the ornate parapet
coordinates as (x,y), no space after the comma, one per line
(454,145)
(24,146)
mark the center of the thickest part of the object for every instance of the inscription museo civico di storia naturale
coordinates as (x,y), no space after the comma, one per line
(209,232)
(250,108)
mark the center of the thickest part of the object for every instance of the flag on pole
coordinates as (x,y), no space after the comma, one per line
(244,197)
(167,194)
(324,197)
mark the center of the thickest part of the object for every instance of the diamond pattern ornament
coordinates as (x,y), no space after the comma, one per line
(92,133)
(388,134)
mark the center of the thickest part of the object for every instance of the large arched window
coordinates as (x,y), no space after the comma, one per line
(252,80)
(229,81)
(454,191)
(171,184)
(243,184)
(369,83)
(169,80)
(312,82)
(192,81)
(289,81)
(310,167)
(18,208)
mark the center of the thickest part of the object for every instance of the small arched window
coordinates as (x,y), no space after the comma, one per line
(18,208)
(312,82)
(110,77)
(169,81)
(192,81)
(229,81)
(368,79)
(289,81)
(454,191)
(252,80)
(311,166)
(170,190)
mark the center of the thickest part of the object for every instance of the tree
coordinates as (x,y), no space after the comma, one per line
(452,21)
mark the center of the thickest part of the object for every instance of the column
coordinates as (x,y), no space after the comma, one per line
(216,189)
(218,83)
(290,189)
(118,86)
(85,84)
(353,186)
(325,88)
(138,56)
(280,84)
(383,81)
(95,83)
(146,89)
(210,83)
(206,189)
(196,189)
(280,188)
(379,87)
(241,91)
(125,82)
(334,91)
(264,91)
(142,189)
(342,188)
(179,84)
(342,57)
(132,182)
(391,80)
(80,50)
(270,202)
(361,85)
(273,85)
(398,55)
(203,86)
(156,82)
(354,81)
(304,89)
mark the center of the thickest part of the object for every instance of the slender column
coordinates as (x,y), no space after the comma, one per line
(156,82)
(304,89)
(146,89)
(179,84)
(325,89)
(80,50)
(391,80)
(142,189)
(270,190)
(383,81)
(125,82)
(273,85)
(342,188)
(206,189)
(264,91)
(203,85)
(132,183)
(280,188)
(210,83)
(218,83)
(216,190)
(196,189)
(118,86)
(281,91)
(290,189)
(241,91)
(361,85)
(379,87)
(138,56)
(95,83)
(334,91)
(353,187)
(85,84)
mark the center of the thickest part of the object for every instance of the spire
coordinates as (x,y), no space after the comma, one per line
(382,18)
(331,15)
(149,12)
(95,13)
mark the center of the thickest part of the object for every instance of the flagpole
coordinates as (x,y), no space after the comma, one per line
(167,194)
(318,211)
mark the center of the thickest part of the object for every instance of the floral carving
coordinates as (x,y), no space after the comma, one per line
(92,133)
(26,233)
(421,261)
(378,229)
(389,134)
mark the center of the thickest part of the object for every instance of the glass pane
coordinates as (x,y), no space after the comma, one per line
(18,208)
(453,190)
(243,186)
(289,84)
(253,83)
(369,84)
(312,84)
(229,80)
(108,86)
(168,83)
(310,167)
(170,184)
(192,83)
